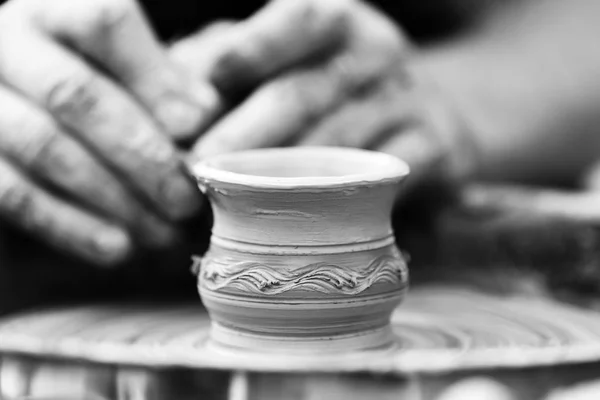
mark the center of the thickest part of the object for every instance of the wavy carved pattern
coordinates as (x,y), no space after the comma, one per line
(321,277)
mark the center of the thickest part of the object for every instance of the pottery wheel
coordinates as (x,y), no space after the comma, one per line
(437,329)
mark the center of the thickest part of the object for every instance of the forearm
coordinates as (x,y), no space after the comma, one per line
(527,83)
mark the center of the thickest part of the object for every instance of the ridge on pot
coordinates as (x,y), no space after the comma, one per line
(302,255)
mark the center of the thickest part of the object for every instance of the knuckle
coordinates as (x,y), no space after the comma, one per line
(54,154)
(39,144)
(45,149)
(49,153)
(71,94)
(149,157)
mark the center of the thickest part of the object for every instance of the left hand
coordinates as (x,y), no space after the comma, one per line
(336,73)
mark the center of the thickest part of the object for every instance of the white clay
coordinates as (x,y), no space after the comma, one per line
(302,256)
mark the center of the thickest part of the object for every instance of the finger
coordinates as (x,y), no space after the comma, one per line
(57,222)
(102,116)
(284,33)
(363,122)
(115,35)
(286,106)
(288,33)
(31,139)
(272,115)
(198,52)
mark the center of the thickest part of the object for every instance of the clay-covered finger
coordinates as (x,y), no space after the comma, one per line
(61,224)
(116,35)
(102,116)
(37,144)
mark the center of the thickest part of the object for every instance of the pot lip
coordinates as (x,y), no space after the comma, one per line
(383,168)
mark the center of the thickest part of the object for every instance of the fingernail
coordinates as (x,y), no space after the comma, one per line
(182,196)
(112,245)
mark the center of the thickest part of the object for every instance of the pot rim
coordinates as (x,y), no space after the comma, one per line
(381,167)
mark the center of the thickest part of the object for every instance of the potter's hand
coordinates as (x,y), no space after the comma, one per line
(314,72)
(82,163)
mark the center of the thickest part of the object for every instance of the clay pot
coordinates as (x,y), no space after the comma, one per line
(302,254)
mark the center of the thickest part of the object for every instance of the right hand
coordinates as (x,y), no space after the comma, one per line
(88,104)
(326,73)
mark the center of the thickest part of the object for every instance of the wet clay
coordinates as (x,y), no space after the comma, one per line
(302,255)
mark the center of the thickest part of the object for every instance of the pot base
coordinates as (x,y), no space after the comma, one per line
(227,338)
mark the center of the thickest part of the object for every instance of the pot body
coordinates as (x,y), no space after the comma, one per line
(302,268)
